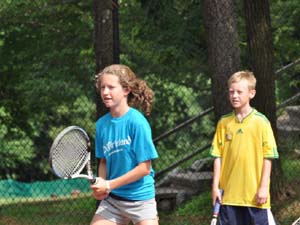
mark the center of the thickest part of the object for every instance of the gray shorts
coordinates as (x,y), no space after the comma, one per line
(122,212)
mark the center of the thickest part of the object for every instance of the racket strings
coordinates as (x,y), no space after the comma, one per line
(297,222)
(70,154)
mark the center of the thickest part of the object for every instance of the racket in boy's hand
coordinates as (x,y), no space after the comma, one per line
(216,211)
(70,154)
(296,222)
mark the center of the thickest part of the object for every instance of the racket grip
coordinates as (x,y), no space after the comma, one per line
(217,208)
(93,180)
(217,205)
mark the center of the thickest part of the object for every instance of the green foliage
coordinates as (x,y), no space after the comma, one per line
(285,16)
(16,148)
(168,41)
(46,57)
(46,83)
(181,102)
(199,202)
(286,35)
(55,212)
(80,113)
(174,103)
(285,21)
(47,66)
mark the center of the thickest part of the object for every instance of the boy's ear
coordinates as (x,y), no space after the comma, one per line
(252,93)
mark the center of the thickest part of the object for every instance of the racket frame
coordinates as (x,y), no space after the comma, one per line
(87,164)
(296,222)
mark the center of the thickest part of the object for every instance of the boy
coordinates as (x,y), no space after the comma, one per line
(243,147)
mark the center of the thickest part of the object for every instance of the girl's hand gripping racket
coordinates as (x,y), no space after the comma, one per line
(70,153)
(216,211)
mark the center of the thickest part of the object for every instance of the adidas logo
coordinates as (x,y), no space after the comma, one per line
(239,131)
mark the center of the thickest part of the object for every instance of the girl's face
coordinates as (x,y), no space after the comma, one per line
(240,94)
(113,95)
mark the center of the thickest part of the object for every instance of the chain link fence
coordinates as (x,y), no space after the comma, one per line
(30,194)
(183,171)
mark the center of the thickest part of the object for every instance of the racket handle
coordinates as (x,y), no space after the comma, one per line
(93,180)
(216,208)
(217,205)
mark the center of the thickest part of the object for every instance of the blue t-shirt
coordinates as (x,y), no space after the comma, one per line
(125,142)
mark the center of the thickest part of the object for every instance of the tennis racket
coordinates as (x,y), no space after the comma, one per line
(216,211)
(296,222)
(70,154)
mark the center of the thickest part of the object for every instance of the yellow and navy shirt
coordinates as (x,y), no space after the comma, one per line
(242,147)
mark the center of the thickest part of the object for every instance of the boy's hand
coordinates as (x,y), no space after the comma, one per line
(262,196)
(216,195)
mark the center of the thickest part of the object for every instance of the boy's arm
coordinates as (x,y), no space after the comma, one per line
(263,191)
(216,180)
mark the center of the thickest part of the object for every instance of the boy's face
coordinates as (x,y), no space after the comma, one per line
(240,94)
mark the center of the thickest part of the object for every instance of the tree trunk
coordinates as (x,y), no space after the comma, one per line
(258,26)
(106,39)
(106,43)
(223,50)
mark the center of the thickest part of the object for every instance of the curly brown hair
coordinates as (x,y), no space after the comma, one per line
(140,96)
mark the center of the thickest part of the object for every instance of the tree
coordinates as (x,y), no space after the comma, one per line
(106,39)
(261,59)
(44,48)
(223,50)
(106,42)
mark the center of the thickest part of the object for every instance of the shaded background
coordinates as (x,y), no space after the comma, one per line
(49,53)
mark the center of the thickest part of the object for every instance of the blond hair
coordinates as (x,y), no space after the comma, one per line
(140,96)
(243,75)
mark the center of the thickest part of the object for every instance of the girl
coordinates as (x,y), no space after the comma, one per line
(125,149)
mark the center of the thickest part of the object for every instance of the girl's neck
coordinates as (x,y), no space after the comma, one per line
(120,111)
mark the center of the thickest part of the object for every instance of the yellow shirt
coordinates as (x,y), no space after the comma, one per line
(242,147)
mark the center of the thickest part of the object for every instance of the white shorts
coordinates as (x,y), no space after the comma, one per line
(122,212)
